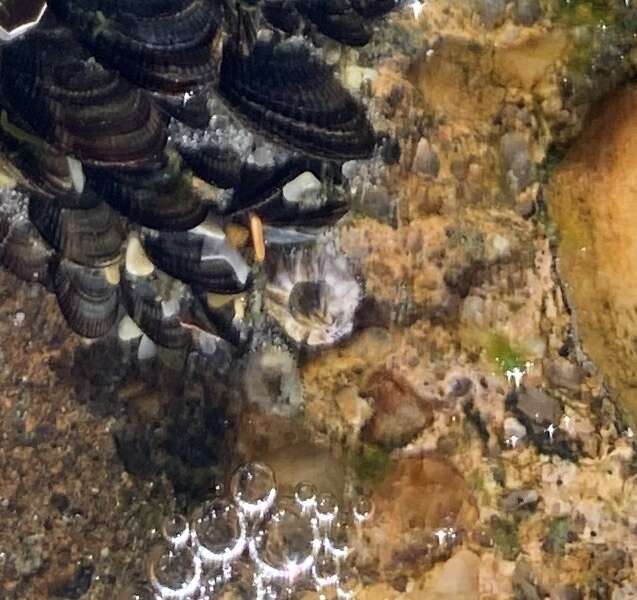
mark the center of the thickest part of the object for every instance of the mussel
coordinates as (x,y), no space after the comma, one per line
(262,176)
(337,19)
(160,197)
(153,300)
(88,297)
(88,99)
(60,92)
(92,237)
(346,21)
(22,249)
(161,45)
(201,257)
(283,88)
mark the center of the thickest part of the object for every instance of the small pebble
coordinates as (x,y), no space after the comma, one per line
(527,12)
(520,499)
(513,429)
(426,160)
(516,157)
(539,407)
(491,11)
(562,373)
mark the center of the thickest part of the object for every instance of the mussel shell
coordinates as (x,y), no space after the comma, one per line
(77,105)
(145,306)
(214,160)
(92,237)
(276,208)
(87,299)
(25,253)
(338,20)
(224,314)
(372,9)
(283,15)
(162,197)
(190,108)
(201,257)
(162,45)
(47,173)
(17,17)
(281,87)
(153,300)
(255,169)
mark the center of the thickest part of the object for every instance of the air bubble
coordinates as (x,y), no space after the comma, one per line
(363,509)
(253,489)
(337,542)
(175,530)
(144,592)
(305,495)
(175,573)
(325,570)
(219,533)
(326,510)
(349,586)
(254,544)
(285,548)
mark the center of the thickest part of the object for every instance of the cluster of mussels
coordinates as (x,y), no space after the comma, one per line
(150,139)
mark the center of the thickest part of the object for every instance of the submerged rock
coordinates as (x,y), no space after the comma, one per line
(399,413)
(422,507)
(592,199)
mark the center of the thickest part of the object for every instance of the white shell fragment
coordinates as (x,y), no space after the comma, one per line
(17,17)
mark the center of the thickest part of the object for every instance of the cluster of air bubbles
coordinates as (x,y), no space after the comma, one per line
(256,543)
(13,212)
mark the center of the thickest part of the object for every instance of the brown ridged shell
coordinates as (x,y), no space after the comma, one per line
(282,88)
(162,45)
(92,237)
(87,298)
(77,105)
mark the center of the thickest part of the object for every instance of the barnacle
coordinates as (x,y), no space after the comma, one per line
(138,131)
(313,296)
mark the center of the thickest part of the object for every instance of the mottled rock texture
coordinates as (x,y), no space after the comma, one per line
(593,199)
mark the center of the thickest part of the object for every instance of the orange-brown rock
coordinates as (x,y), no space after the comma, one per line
(399,413)
(419,498)
(593,199)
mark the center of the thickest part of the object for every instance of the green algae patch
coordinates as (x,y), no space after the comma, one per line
(504,534)
(496,349)
(503,354)
(560,532)
(370,463)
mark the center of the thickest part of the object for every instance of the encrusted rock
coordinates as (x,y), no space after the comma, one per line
(418,498)
(563,373)
(539,407)
(399,413)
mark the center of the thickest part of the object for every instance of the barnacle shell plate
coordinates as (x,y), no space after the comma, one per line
(313,296)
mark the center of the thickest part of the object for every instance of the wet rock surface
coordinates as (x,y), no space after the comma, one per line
(466,402)
(592,199)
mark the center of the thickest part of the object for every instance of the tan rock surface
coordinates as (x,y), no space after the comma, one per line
(593,198)
(418,499)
